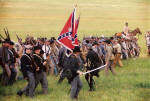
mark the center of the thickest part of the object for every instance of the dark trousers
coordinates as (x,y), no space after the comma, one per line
(90,80)
(5,76)
(41,78)
(12,76)
(29,89)
(76,86)
(63,75)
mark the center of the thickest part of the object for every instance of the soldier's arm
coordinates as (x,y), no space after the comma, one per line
(38,62)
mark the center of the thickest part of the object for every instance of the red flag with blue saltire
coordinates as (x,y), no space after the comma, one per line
(65,37)
(75,40)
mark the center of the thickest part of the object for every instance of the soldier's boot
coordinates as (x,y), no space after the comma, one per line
(92,88)
(19,93)
(91,84)
(60,79)
(45,91)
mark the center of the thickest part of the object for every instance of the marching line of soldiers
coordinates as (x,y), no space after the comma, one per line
(41,57)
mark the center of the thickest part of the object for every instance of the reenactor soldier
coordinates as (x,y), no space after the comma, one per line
(63,59)
(4,54)
(75,81)
(124,48)
(28,70)
(126,29)
(109,57)
(117,51)
(40,42)
(12,62)
(97,49)
(54,57)
(46,48)
(84,51)
(40,75)
(93,61)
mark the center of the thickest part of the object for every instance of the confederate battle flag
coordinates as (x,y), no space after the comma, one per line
(75,38)
(65,37)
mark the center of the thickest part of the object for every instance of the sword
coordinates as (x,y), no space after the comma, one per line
(95,69)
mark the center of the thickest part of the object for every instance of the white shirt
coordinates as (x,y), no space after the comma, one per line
(117,47)
(126,29)
(46,50)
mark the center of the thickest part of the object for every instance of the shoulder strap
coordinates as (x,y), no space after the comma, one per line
(27,56)
(11,51)
(37,56)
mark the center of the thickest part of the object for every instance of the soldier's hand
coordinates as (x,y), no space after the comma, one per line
(38,68)
(45,63)
(106,63)
(79,72)
(85,64)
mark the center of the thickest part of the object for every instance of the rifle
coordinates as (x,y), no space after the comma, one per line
(19,40)
(2,37)
(7,33)
(34,63)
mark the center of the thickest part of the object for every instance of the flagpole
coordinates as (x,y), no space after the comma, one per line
(75,8)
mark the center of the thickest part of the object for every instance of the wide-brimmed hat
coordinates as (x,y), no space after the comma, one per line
(37,48)
(51,41)
(28,47)
(76,49)
(11,43)
(53,38)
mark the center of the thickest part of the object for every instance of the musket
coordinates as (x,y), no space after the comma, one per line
(19,39)
(2,37)
(34,63)
(32,42)
(7,33)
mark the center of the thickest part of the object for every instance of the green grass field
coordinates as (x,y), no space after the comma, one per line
(132,83)
(46,18)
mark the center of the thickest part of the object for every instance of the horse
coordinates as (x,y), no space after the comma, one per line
(131,35)
(135,32)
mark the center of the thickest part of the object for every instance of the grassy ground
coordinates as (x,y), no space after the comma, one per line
(132,83)
(47,17)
